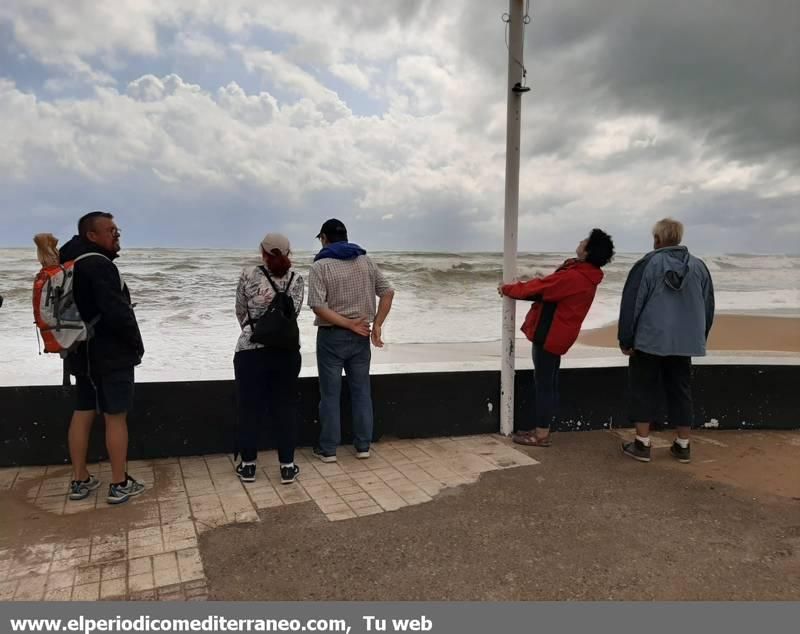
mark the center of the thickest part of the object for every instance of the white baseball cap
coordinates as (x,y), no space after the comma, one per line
(273,241)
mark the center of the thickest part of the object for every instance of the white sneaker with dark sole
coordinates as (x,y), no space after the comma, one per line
(324,457)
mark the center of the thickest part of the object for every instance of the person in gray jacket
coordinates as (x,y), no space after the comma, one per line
(665,316)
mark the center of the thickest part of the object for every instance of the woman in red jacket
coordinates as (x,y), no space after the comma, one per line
(560,304)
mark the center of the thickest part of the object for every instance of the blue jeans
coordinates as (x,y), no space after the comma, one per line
(546,366)
(339,349)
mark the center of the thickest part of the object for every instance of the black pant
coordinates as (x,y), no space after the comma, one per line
(652,377)
(266,382)
(545,378)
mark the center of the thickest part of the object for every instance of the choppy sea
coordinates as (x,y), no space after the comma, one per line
(185,302)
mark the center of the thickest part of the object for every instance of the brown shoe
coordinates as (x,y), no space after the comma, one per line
(529,438)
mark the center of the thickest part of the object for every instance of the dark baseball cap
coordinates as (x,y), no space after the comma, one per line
(333,228)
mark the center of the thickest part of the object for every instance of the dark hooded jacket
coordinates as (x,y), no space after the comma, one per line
(101,294)
(340,251)
(667,304)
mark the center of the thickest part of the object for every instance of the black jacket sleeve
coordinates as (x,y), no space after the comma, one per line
(627,310)
(113,302)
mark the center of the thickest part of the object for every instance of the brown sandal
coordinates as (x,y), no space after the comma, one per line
(529,438)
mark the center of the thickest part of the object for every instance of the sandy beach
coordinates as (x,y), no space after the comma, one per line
(734,339)
(730,333)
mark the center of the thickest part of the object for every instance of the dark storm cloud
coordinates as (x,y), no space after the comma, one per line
(725,69)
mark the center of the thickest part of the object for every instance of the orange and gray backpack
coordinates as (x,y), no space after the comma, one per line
(54,310)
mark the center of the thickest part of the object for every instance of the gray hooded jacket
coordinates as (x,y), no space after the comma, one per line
(667,304)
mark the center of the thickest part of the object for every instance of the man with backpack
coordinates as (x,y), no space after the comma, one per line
(343,284)
(103,364)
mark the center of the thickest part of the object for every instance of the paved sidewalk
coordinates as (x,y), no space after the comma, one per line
(55,549)
(475,518)
(586,523)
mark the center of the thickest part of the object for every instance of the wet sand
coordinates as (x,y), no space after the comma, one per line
(734,338)
(729,333)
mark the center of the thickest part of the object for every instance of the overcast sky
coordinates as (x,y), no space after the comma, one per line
(203,123)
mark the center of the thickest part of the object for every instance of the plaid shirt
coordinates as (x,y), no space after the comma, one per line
(347,287)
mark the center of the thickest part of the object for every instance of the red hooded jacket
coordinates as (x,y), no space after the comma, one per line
(560,304)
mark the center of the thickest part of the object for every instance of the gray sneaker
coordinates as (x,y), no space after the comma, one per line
(120,493)
(637,450)
(80,489)
(681,454)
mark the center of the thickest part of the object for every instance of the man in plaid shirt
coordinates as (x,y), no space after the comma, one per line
(342,287)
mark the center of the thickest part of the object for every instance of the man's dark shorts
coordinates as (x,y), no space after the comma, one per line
(651,378)
(110,393)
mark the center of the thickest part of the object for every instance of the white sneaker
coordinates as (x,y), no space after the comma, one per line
(324,457)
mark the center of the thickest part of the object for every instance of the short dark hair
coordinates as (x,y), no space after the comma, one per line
(599,248)
(86,224)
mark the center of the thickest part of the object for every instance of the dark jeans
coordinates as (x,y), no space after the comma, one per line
(652,377)
(266,382)
(545,378)
(339,349)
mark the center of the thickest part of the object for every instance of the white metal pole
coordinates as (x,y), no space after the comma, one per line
(515,34)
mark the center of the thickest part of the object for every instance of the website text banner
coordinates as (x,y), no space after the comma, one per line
(393,618)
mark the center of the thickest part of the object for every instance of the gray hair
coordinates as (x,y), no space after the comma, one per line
(669,232)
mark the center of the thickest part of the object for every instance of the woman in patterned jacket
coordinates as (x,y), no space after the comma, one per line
(266,377)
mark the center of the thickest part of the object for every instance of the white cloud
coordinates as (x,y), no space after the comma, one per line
(198,45)
(294,79)
(398,165)
(435,152)
(82,33)
(255,110)
(423,84)
(351,74)
(615,136)
(68,35)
